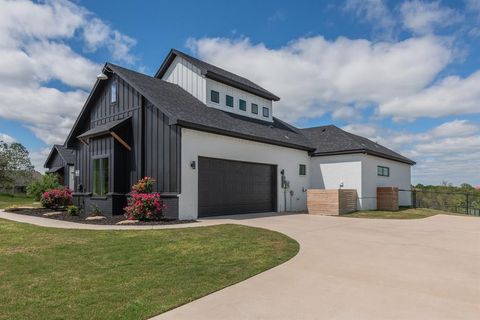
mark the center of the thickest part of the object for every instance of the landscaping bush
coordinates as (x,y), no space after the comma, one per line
(47,182)
(144,206)
(144,185)
(57,198)
(73,210)
(95,211)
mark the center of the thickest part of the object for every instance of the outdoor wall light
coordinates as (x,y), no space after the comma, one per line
(193,164)
(102,76)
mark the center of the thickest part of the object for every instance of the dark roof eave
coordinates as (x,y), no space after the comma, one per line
(199,127)
(366,151)
(235,84)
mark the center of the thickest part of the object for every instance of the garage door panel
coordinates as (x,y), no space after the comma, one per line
(233,187)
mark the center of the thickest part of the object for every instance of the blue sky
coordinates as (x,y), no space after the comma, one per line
(402,73)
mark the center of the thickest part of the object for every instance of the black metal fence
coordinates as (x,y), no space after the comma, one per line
(457,202)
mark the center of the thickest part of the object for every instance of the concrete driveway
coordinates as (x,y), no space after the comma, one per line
(358,269)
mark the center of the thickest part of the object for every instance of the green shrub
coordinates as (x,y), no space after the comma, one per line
(73,210)
(47,182)
(95,211)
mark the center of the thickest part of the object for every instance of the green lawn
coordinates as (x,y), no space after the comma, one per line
(8,200)
(82,274)
(401,214)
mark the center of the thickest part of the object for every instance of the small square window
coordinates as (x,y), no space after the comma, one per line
(383,171)
(265,112)
(302,169)
(242,104)
(214,96)
(229,101)
(254,108)
(113,92)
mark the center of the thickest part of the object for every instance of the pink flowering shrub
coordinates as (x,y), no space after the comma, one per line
(56,198)
(144,206)
(144,185)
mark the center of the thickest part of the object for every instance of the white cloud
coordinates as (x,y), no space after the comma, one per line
(98,34)
(345,113)
(375,12)
(422,17)
(36,48)
(450,96)
(6,138)
(38,158)
(448,151)
(314,75)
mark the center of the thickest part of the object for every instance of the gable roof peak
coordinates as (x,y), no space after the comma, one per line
(216,73)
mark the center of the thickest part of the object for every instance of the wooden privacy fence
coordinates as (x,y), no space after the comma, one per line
(387,199)
(331,201)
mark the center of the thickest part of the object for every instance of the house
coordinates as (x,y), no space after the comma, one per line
(210,140)
(61,161)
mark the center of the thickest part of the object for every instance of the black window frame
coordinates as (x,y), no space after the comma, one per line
(212,92)
(114,92)
(254,108)
(383,171)
(244,103)
(266,112)
(227,99)
(104,171)
(302,169)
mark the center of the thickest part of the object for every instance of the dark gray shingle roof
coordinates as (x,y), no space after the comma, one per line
(333,140)
(218,74)
(104,128)
(67,154)
(187,111)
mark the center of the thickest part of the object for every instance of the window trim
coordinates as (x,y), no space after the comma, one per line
(113,85)
(300,171)
(226,101)
(240,104)
(267,111)
(381,171)
(256,108)
(218,96)
(101,169)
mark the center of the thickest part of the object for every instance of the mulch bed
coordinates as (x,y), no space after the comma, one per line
(63,215)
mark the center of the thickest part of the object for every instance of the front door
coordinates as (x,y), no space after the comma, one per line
(71,177)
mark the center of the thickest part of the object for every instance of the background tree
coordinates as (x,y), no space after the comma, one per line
(15,164)
(38,187)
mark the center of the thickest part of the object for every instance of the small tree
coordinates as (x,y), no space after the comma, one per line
(47,182)
(15,163)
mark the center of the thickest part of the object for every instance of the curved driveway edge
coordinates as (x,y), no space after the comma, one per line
(357,269)
(347,268)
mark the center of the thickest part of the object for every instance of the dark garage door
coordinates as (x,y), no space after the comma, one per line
(234,187)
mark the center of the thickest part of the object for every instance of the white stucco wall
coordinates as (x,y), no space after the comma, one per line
(197,143)
(187,76)
(359,171)
(328,172)
(400,177)
(224,89)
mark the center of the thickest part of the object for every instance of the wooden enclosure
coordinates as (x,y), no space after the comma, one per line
(387,198)
(331,201)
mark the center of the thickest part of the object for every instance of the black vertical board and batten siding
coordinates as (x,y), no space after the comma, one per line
(162,150)
(155,144)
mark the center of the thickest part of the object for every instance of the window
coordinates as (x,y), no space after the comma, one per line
(100,176)
(214,96)
(265,112)
(242,104)
(113,92)
(254,108)
(383,171)
(302,169)
(229,101)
